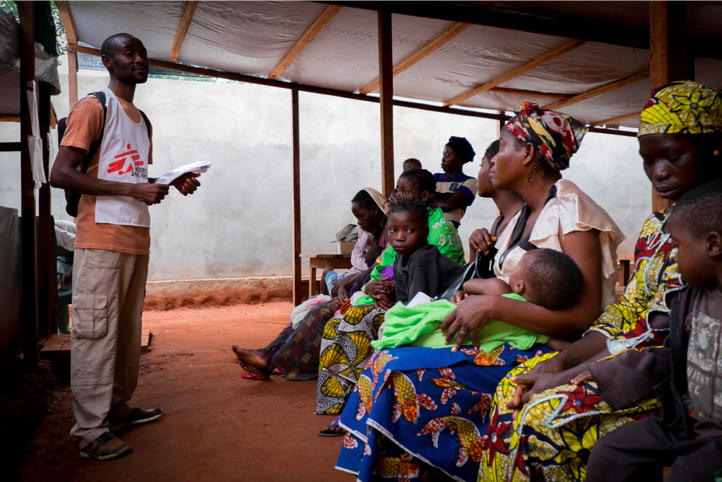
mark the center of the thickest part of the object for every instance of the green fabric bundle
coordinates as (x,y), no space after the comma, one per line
(419,326)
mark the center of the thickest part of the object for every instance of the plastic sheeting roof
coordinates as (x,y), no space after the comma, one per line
(252,38)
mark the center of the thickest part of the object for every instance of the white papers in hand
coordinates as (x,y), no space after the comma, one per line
(170,176)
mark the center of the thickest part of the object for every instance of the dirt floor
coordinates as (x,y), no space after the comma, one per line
(216,426)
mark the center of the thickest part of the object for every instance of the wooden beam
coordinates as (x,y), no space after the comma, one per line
(668,40)
(386,91)
(668,54)
(616,120)
(28,266)
(617,84)
(45,255)
(10,147)
(72,75)
(557,52)
(500,124)
(67,19)
(296,195)
(530,93)
(426,50)
(615,132)
(9,117)
(305,39)
(180,34)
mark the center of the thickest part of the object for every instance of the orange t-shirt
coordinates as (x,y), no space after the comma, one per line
(83,127)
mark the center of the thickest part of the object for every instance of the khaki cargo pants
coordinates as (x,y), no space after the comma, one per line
(108,294)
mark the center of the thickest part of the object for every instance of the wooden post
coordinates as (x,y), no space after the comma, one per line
(386,91)
(296,193)
(668,54)
(500,124)
(72,75)
(28,267)
(47,291)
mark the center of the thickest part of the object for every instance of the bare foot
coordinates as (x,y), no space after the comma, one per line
(256,358)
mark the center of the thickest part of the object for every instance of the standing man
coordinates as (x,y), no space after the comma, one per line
(112,245)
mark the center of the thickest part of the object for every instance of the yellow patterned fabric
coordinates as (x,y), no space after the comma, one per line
(655,275)
(345,350)
(554,434)
(682,107)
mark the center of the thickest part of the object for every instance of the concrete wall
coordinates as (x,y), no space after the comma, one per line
(239,222)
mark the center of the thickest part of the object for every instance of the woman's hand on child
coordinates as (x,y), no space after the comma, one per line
(459,296)
(470,316)
(480,240)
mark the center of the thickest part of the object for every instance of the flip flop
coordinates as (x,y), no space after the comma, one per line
(252,376)
(328,430)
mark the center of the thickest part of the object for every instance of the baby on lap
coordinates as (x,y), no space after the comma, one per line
(544,277)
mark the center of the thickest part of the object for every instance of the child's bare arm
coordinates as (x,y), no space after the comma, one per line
(491,286)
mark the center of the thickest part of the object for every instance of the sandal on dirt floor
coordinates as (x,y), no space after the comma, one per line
(252,376)
(333,429)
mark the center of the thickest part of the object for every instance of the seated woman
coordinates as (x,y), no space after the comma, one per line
(507,202)
(345,347)
(455,191)
(418,392)
(369,207)
(294,352)
(680,140)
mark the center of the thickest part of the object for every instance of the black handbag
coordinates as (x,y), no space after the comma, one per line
(482,267)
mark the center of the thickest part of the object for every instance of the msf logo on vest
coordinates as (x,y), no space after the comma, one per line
(128,162)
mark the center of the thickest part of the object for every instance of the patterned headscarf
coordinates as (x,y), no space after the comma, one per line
(682,107)
(556,136)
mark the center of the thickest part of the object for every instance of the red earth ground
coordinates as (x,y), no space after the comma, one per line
(216,426)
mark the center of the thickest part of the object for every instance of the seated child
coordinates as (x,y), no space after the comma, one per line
(419,266)
(686,432)
(545,277)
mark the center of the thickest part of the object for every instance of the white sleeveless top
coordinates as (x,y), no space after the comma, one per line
(123,158)
(570,210)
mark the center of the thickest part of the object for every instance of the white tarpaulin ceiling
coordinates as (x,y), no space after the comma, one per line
(252,38)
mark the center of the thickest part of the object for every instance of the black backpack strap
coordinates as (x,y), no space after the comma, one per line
(71,198)
(95,145)
(62,127)
(147,121)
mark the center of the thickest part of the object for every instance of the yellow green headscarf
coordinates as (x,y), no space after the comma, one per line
(682,107)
